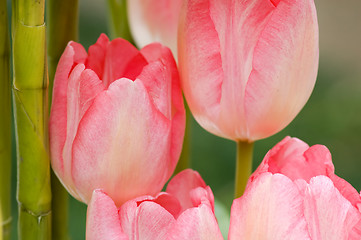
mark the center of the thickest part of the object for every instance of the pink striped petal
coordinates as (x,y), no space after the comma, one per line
(239,25)
(105,61)
(129,65)
(196,224)
(328,214)
(120,132)
(83,87)
(347,190)
(183,184)
(147,219)
(271,208)
(154,21)
(296,160)
(285,63)
(97,55)
(73,54)
(166,95)
(199,44)
(102,219)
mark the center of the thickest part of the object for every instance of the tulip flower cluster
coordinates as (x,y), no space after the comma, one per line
(246,68)
(294,194)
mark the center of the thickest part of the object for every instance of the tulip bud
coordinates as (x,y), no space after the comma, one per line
(247,67)
(184,211)
(117,119)
(295,194)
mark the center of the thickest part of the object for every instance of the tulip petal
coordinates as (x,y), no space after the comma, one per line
(328,214)
(166,200)
(296,160)
(155,77)
(97,54)
(129,65)
(346,189)
(198,44)
(105,61)
(182,185)
(156,52)
(215,91)
(239,25)
(83,86)
(166,95)
(122,125)
(196,224)
(201,195)
(271,208)
(154,21)
(145,220)
(103,219)
(74,53)
(285,60)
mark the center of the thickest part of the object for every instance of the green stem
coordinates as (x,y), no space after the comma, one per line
(243,166)
(185,159)
(1,229)
(60,209)
(62,27)
(31,119)
(62,21)
(5,125)
(118,20)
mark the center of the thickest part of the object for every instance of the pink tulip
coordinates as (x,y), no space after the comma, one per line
(117,119)
(154,20)
(247,67)
(184,211)
(295,194)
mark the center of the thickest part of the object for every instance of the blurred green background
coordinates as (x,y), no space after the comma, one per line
(331,117)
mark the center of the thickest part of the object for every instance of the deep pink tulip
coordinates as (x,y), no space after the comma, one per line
(154,21)
(247,67)
(117,119)
(184,211)
(295,194)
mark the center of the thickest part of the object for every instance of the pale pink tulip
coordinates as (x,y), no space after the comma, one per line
(295,194)
(247,67)
(154,21)
(117,119)
(184,211)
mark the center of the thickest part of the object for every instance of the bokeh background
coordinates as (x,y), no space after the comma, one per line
(331,117)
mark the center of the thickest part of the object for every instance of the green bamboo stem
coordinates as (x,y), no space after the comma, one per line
(5,125)
(62,27)
(31,119)
(243,166)
(118,20)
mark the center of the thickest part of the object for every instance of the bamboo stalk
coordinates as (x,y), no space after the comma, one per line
(118,20)
(62,27)
(5,125)
(31,119)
